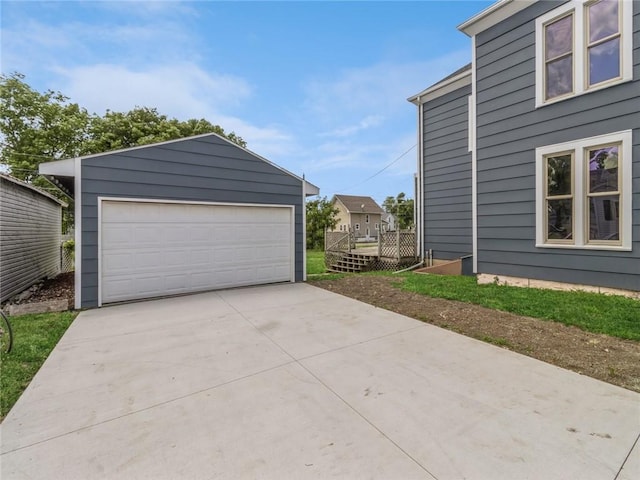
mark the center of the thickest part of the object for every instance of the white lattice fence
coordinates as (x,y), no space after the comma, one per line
(339,241)
(398,244)
(67,256)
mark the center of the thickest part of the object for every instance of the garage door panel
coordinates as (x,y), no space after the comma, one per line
(156,249)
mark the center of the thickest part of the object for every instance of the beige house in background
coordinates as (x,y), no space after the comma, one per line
(361,215)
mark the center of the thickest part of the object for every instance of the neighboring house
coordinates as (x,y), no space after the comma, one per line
(388,222)
(182,216)
(30,231)
(360,215)
(530,156)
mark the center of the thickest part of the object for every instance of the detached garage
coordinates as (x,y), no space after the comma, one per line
(188,215)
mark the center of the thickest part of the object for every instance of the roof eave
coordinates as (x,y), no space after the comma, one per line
(493,15)
(442,88)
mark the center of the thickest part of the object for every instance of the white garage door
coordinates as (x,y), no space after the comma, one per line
(156,249)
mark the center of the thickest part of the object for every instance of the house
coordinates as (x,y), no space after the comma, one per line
(361,215)
(388,222)
(188,215)
(529,157)
(30,231)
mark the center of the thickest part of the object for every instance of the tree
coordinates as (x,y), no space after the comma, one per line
(321,215)
(401,208)
(142,126)
(38,127)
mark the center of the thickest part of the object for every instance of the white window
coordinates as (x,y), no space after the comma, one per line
(583,46)
(583,193)
(366,218)
(376,226)
(368,232)
(357,226)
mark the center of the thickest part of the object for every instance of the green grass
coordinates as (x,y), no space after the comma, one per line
(315,262)
(609,314)
(34,336)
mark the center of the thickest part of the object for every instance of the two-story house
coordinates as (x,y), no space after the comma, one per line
(360,215)
(530,155)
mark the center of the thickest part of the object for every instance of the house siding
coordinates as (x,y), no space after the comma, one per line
(205,169)
(447,199)
(510,128)
(30,232)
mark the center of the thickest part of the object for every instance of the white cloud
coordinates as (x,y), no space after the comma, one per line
(364,124)
(180,90)
(378,89)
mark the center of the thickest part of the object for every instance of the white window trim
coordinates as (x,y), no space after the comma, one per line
(357,226)
(625,138)
(578,7)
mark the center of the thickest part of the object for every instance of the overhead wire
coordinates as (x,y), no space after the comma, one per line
(381,170)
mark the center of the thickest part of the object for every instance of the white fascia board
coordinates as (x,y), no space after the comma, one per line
(439,89)
(493,15)
(309,188)
(60,168)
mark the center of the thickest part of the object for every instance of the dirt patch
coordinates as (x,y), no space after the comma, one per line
(606,358)
(58,288)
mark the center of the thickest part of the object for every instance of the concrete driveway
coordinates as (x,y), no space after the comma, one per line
(291,381)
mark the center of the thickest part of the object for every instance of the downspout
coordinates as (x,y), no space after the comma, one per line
(474,159)
(419,203)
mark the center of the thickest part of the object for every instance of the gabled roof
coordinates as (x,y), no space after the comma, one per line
(357,204)
(28,186)
(61,172)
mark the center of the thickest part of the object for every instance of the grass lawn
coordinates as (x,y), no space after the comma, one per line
(34,336)
(315,262)
(609,314)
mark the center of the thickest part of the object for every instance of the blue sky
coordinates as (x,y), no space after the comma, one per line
(319,88)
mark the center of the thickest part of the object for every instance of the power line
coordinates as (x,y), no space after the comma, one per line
(381,170)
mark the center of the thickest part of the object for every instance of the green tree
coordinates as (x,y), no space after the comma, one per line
(36,127)
(321,215)
(400,207)
(142,126)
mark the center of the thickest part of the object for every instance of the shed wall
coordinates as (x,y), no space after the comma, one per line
(510,128)
(206,169)
(447,175)
(30,230)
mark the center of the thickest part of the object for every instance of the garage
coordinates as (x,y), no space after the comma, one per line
(187,215)
(152,249)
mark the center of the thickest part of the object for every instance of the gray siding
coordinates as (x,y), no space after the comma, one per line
(30,229)
(199,169)
(447,176)
(509,128)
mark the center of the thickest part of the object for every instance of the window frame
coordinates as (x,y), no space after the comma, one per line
(580,189)
(547,198)
(357,227)
(581,49)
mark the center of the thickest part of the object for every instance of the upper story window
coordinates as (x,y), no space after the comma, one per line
(366,218)
(584,193)
(583,46)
